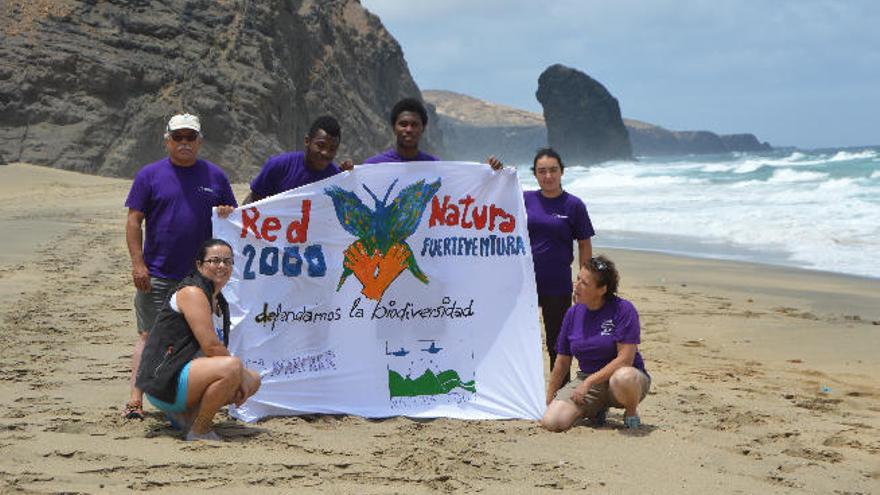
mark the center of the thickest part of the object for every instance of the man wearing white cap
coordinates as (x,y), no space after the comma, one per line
(175,196)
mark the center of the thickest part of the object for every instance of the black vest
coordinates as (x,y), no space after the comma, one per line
(171,343)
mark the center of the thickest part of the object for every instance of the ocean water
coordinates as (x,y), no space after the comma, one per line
(811,209)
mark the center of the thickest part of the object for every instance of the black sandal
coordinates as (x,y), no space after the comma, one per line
(134,410)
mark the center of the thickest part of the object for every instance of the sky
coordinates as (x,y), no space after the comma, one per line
(802,73)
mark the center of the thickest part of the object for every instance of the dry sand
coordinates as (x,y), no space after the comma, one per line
(765,381)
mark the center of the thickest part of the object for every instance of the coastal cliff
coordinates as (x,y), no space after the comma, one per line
(89,86)
(651,140)
(474,128)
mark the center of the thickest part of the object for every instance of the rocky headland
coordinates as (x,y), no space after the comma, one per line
(88,86)
(652,140)
(582,117)
(473,128)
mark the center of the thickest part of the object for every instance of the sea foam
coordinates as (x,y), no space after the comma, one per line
(818,210)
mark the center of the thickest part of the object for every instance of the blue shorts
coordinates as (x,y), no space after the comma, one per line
(180,400)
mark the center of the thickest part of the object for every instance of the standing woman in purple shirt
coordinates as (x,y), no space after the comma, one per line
(555,220)
(602,331)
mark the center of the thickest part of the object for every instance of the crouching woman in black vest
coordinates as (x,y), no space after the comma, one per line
(186,370)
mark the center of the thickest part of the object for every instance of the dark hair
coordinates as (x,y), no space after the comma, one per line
(549,152)
(327,124)
(604,273)
(409,105)
(203,249)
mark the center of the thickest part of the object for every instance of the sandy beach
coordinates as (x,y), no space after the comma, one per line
(764,381)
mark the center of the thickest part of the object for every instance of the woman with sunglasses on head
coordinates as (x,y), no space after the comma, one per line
(602,331)
(186,370)
(555,220)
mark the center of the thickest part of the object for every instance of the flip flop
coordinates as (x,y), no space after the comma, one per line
(134,410)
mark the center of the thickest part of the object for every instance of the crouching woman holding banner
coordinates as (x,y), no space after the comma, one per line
(602,331)
(186,370)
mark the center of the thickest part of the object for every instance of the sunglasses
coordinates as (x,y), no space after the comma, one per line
(598,264)
(188,137)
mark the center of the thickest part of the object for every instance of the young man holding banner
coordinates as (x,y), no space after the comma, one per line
(298,168)
(409,118)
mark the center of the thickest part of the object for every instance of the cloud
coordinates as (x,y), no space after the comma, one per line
(682,64)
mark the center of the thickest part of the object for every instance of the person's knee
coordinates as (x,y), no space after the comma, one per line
(230,369)
(554,423)
(257,381)
(625,378)
(251,381)
(556,418)
(626,385)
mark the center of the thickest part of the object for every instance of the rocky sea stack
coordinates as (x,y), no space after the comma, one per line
(583,119)
(88,86)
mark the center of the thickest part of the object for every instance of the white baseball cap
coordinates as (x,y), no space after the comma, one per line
(184,121)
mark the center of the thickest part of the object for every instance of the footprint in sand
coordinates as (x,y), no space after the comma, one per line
(815,455)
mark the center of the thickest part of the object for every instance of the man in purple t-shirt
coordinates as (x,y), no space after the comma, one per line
(298,168)
(409,118)
(175,197)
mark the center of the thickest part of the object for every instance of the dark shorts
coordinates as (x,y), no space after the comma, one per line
(599,397)
(148,304)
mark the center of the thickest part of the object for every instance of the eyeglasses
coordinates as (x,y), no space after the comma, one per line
(189,137)
(218,261)
(598,264)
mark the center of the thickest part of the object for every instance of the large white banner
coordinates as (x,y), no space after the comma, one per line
(395,289)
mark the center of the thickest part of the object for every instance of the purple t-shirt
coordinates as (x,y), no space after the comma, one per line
(176,203)
(554,224)
(391,155)
(592,336)
(287,171)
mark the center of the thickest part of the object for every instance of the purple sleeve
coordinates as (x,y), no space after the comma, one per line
(376,159)
(139,195)
(264,183)
(563,344)
(628,329)
(582,227)
(227,197)
(332,170)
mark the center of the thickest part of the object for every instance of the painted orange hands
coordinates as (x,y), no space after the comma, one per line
(374,271)
(390,266)
(362,264)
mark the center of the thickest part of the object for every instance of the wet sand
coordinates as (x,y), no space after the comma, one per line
(764,381)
